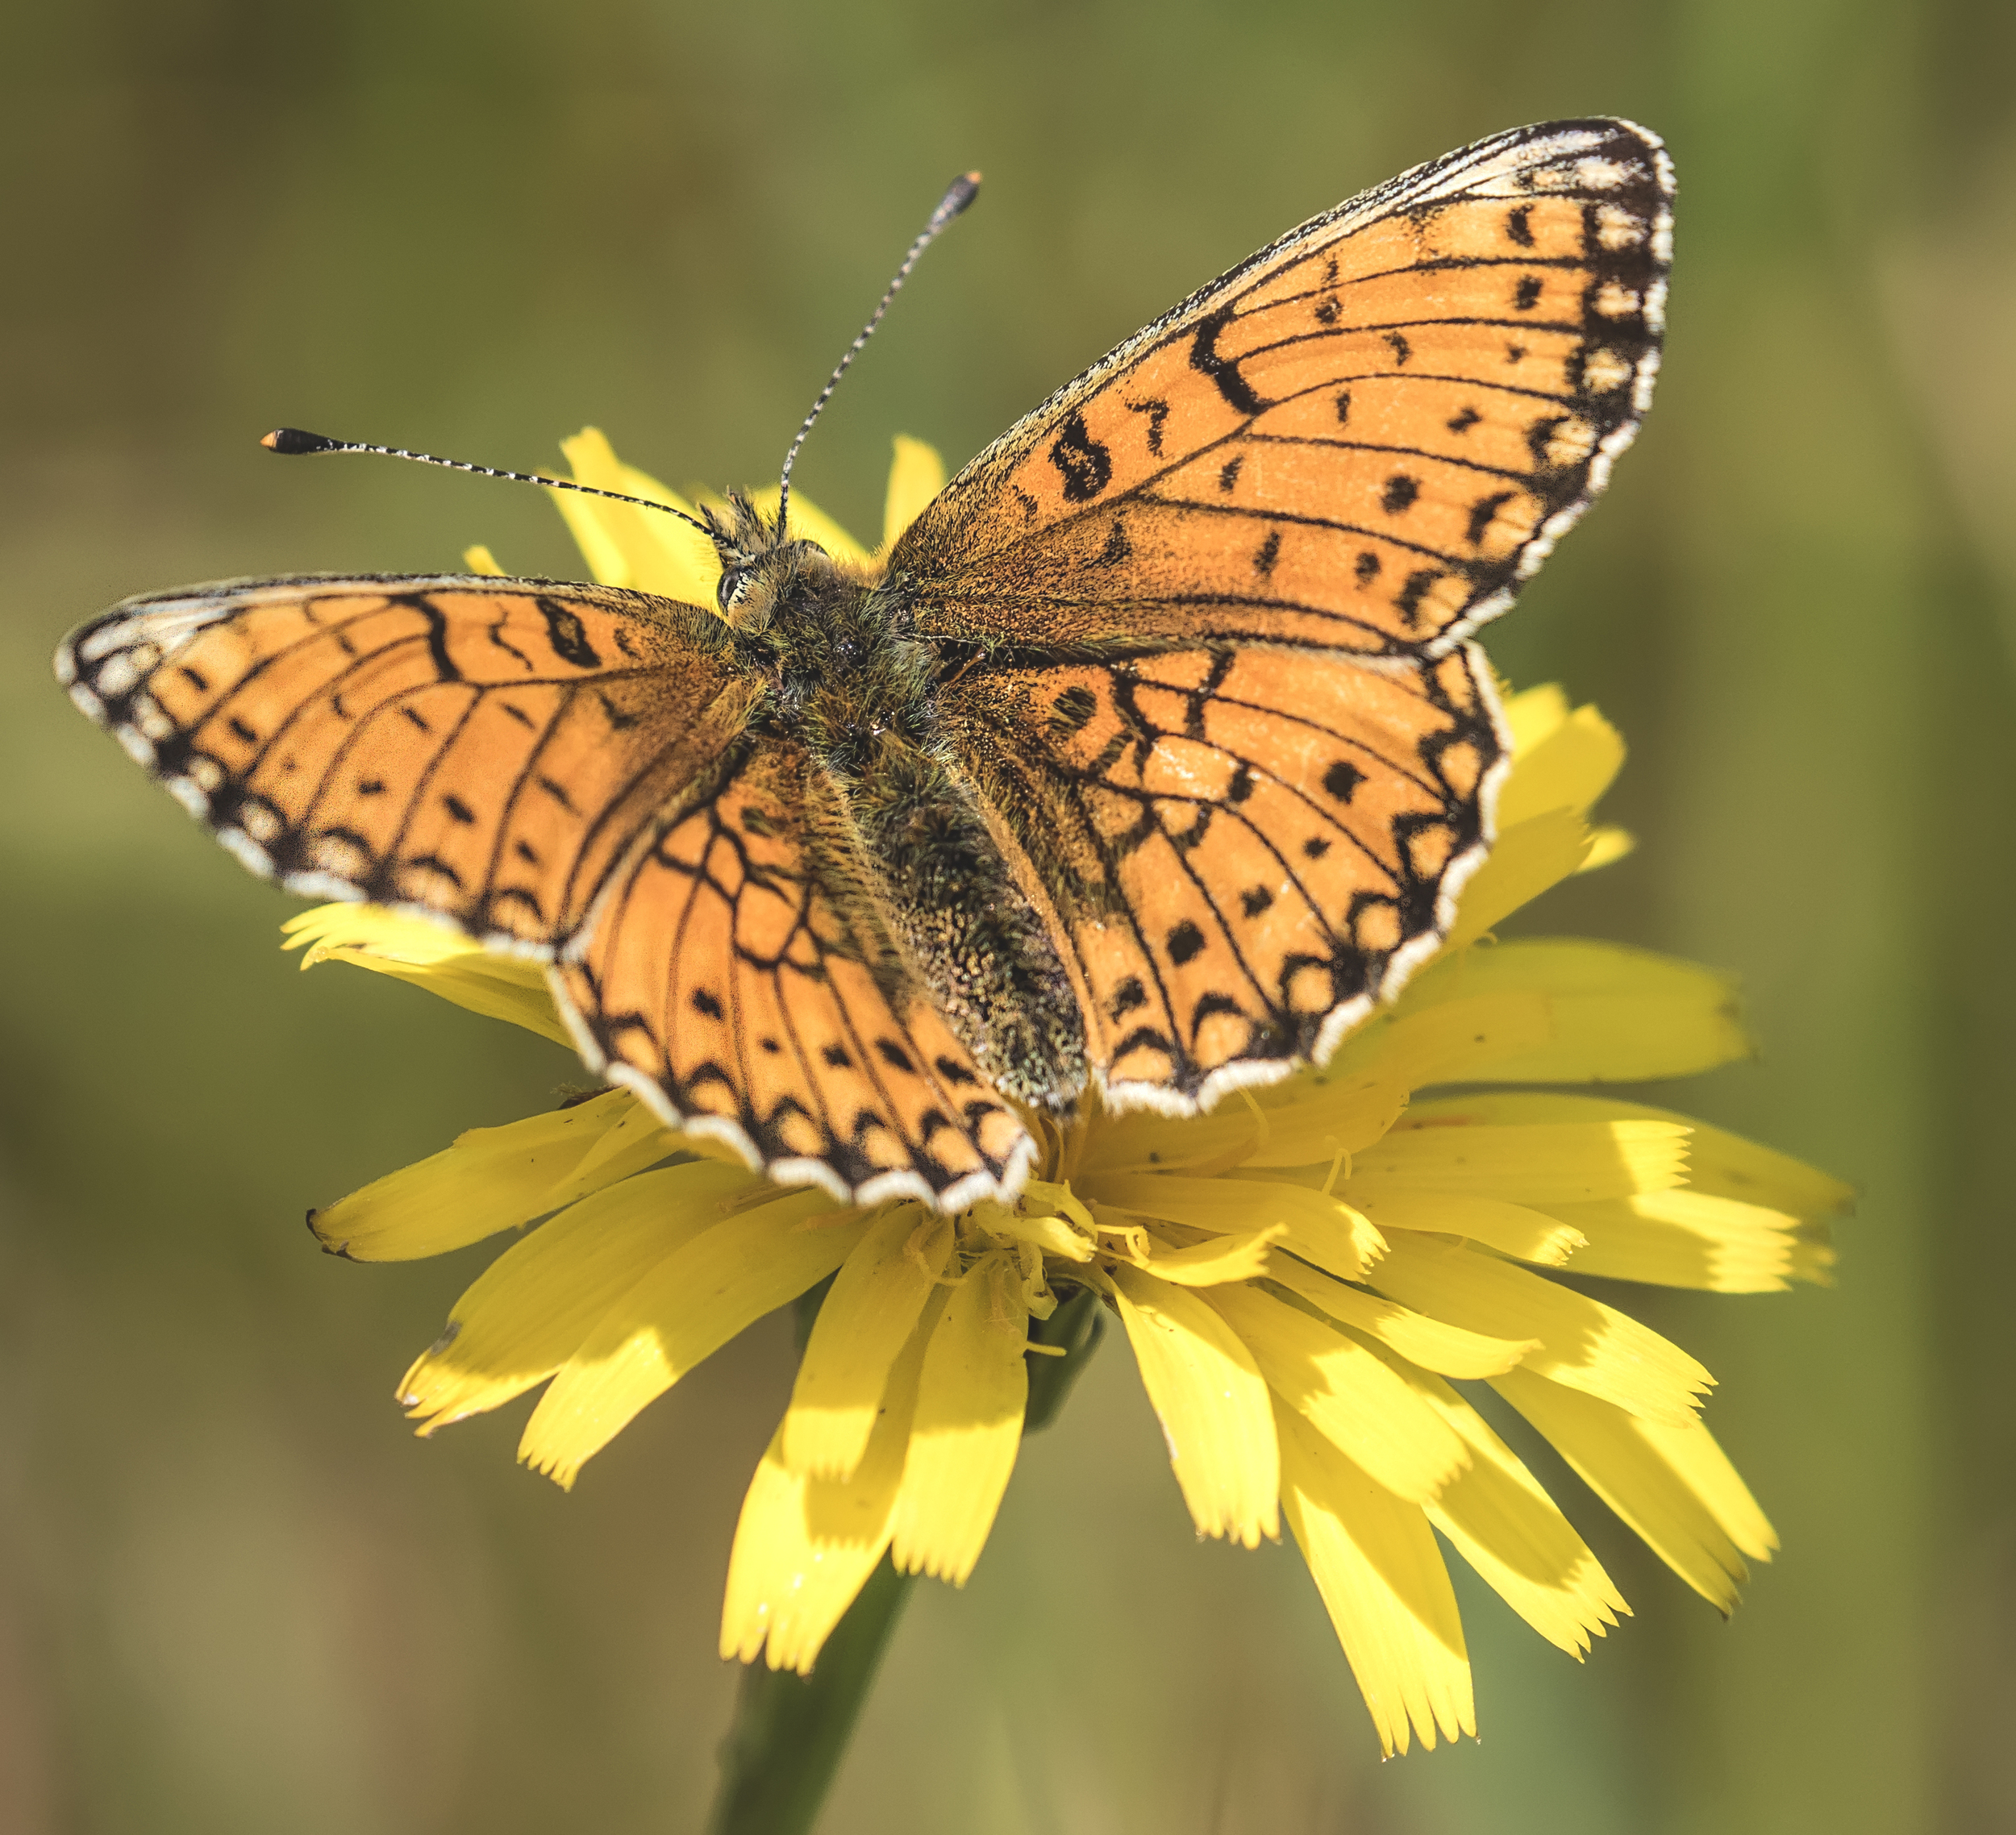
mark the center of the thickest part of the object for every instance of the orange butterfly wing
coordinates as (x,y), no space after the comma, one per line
(483,751)
(563,770)
(1242,848)
(737,967)
(1213,596)
(1365,437)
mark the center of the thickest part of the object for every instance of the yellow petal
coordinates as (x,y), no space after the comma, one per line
(1584,1343)
(1725,1165)
(1501,1522)
(1448,1147)
(1320,1229)
(967,1427)
(805,1546)
(626,546)
(535,1305)
(632,1139)
(1606,847)
(432,955)
(479,559)
(1688,1238)
(1438,1034)
(1313,1117)
(867,1318)
(1216,1260)
(1432,1343)
(1322,1114)
(1674,1485)
(916,477)
(495,1179)
(1608,1014)
(1531,716)
(1567,768)
(679,1313)
(1346,1393)
(1512,1229)
(1209,1396)
(1525,860)
(1375,1562)
(1053,1234)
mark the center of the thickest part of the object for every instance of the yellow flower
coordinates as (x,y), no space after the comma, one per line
(1303,1275)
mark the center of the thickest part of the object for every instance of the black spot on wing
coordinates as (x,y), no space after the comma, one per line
(568,635)
(1222,371)
(1085,465)
(1482,511)
(1157,413)
(1407,600)
(1399,494)
(1342,779)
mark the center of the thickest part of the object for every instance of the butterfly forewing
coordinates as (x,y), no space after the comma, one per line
(1365,437)
(483,751)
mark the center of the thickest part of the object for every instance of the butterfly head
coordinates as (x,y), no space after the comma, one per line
(761,565)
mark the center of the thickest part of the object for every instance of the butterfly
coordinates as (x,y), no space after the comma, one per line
(1151,758)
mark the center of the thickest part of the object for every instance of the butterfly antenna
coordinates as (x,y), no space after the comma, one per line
(959,193)
(291,440)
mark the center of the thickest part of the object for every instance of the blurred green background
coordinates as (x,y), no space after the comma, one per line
(236,1596)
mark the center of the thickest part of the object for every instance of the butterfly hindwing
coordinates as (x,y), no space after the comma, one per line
(1365,437)
(1242,848)
(485,751)
(737,978)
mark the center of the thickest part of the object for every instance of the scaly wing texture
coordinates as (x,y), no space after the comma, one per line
(1242,848)
(485,751)
(1365,437)
(737,973)
(563,770)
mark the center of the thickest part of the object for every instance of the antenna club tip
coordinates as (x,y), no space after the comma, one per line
(292,439)
(960,193)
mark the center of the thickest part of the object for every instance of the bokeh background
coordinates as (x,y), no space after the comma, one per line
(236,1596)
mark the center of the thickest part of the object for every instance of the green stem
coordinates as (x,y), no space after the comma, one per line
(790,1732)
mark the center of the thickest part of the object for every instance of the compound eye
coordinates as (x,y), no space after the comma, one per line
(735,582)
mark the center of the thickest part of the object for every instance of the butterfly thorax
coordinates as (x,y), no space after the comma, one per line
(845,680)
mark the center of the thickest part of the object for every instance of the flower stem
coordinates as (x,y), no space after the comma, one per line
(790,1732)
